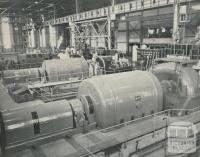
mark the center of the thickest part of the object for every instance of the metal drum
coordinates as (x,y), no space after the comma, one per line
(65,69)
(122,97)
(33,122)
(21,75)
(185,77)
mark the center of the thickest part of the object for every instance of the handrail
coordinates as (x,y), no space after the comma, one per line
(165,112)
(161,128)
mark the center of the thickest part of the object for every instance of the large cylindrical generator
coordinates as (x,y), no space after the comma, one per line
(65,69)
(103,100)
(122,97)
(21,75)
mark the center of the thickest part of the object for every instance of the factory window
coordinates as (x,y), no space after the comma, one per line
(90,104)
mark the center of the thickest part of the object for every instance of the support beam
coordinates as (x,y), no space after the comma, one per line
(109,34)
(1,40)
(77,6)
(176,33)
(96,33)
(141,32)
(127,36)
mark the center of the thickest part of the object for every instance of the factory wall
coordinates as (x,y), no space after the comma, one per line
(123,34)
(130,28)
(52,36)
(133,27)
(83,6)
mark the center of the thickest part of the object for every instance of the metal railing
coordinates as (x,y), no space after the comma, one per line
(150,124)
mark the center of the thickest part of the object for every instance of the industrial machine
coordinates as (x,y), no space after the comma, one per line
(22,60)
(102,102)
(21,75)
(57,78)
(64,69)
(51,71)
(116,98)
(180,85)
(109,64)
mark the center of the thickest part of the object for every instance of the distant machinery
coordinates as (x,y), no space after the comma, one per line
(64,69)
(51,71)
(22,60)
(21,75)
(56,78)
(108,62)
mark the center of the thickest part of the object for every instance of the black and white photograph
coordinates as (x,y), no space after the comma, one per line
(99,78)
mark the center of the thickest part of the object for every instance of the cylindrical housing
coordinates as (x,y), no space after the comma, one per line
(184,77)
(21,75)
(122,97)
(65,69)
(32,122)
